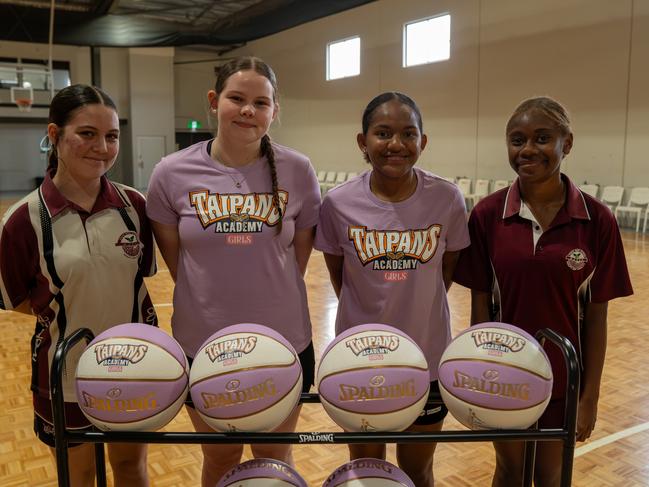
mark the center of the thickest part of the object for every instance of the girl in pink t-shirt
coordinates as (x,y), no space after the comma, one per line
(403,283)
(235,219)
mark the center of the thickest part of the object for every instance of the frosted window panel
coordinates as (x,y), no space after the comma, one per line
(427,41)
(344,58)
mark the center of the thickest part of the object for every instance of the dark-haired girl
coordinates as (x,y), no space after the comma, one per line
(545,255)
(391,238)
(234,218)
(73,253)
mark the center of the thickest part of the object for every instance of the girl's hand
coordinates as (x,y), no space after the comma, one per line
(586,418)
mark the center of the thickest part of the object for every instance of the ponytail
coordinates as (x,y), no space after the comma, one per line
(267,150)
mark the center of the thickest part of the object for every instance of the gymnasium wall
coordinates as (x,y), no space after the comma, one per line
(590,54)
(20,158)
(139,80)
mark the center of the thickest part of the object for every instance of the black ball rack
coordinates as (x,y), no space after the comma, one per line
(64,437)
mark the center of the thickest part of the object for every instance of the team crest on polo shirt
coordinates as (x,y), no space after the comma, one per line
(576,259)
(235,212)
(130,244)
(394,250)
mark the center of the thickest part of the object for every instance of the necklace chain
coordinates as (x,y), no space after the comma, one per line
(235,181)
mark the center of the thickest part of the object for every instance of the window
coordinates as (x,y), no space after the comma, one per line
(427,41)
(33,73)
(344,58)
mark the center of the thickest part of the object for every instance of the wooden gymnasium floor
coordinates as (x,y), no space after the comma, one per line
(616,455)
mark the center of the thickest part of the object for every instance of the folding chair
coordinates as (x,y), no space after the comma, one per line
(480,191)
(638,202)
(612,196)
(499,184)
(329,182)
(341,177)
(590,189)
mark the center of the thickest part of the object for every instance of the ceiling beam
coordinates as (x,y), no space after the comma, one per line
(68,7)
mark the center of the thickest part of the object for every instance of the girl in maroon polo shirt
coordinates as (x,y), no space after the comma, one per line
(545,255)
(63,258)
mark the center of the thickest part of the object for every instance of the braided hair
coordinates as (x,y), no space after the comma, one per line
(63,106)
(255,64)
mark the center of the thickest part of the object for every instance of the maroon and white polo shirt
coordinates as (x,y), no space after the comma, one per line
(77,269)
(543,279)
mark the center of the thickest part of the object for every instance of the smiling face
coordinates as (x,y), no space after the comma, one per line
(393,141)
(245,107)
(536,146)
(88,144)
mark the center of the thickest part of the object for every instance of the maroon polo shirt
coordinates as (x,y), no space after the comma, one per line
(544,279)
(77,269)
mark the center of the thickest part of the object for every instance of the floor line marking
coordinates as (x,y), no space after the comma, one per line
(582,450)
(163,305)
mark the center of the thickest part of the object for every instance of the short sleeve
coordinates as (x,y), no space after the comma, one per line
(147,261)
(18,257)
(473,269)
(611,277)
(457,236)
(326,236)
(159,207)
(308,215)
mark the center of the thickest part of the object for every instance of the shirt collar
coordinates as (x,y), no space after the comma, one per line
(575,205)
(55,202)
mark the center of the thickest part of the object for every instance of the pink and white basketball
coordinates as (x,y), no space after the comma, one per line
(368,472)
(262,472)
(495,376)
(132,377)
(245,377)
(373,377)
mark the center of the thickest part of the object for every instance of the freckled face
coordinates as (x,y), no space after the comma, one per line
(393,141)
(88,144)
(536,146)
(245,107)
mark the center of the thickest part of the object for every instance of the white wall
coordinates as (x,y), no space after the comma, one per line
(151,88)
(590,54)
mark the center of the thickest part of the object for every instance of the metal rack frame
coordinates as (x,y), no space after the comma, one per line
(567,435)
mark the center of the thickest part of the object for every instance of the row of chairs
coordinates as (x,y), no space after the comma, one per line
(613,197)
(331,179)
(482,187)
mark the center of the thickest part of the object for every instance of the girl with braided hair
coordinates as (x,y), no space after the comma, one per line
(235,218)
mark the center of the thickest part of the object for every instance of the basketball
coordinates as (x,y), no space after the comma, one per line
(495,376)
(132,377)
(245,377)
(262,472)
(368,472)
(373,378)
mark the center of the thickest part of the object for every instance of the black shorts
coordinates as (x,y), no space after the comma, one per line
(307,361)
(433,414)
(44,425)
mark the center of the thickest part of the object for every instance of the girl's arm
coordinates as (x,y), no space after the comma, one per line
(303,243)
(335,267)
(480,306)
(25,307)
(449,261)
(594,332)
(168,240)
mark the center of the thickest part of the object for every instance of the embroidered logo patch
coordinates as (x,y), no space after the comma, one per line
(130,244)
(576,259)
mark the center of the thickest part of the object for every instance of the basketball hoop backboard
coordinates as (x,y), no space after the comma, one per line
(22,97)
